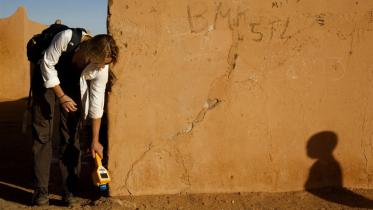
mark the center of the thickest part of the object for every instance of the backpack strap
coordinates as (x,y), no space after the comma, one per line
(75,39)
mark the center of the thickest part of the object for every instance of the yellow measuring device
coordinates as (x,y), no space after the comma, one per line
(100,175)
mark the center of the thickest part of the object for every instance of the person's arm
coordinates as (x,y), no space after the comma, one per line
(96,146)
(52,55)
(96,107)
(48,62)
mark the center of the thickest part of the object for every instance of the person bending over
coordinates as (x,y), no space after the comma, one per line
(68,87)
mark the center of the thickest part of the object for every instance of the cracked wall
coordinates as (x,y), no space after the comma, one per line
(15,31)
(223,96)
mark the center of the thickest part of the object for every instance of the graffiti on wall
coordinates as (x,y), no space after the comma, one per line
(202,18)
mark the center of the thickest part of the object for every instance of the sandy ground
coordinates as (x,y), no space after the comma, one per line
(289,200)
(15,183)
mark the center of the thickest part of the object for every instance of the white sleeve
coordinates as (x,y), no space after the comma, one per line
(51,57)
(97,93)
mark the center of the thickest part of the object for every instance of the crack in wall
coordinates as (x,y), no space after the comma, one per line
(233,50)
(218,88)
(366,147)
(209,104)
(362,144)
(130,171)
(366,144)
(177,157)
(212,102)
(185,178)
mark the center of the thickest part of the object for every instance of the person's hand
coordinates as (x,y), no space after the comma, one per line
(96,147)
(68,104)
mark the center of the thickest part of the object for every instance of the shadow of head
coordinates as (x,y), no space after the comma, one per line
(325,171)
(325,177)
(321,145)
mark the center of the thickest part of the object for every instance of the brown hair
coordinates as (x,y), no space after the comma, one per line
(100,47)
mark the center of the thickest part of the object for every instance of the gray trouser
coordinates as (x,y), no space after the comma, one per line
(46,114)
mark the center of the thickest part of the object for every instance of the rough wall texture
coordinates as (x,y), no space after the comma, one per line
(15,31)
(241,95)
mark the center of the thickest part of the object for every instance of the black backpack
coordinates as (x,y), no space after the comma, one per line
(40,42)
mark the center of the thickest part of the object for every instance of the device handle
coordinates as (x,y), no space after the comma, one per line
(98,160)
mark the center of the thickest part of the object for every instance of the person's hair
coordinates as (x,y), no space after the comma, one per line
(100,47)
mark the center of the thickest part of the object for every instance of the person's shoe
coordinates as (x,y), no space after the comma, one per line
(69,200)
(40,197)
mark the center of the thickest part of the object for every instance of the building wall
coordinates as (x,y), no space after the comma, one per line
(241,95)
(15,31)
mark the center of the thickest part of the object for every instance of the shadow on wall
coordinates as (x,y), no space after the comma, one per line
(325,177)
(15,153)
(16,158)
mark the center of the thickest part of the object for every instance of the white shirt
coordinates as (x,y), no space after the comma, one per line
(93,97)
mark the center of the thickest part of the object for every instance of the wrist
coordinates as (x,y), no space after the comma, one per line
(95,140)
(61,96)
(63,99)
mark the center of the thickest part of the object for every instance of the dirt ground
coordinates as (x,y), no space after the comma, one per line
(289,200)
(15,183)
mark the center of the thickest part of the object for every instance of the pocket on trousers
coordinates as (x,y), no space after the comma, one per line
(41,129)
(42,117)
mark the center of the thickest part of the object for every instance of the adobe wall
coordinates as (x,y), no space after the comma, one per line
(241,95)
(15,31)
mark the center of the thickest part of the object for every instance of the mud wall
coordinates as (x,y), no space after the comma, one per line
(15,31)
(241,95)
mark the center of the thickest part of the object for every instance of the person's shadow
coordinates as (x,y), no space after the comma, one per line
(325,177)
